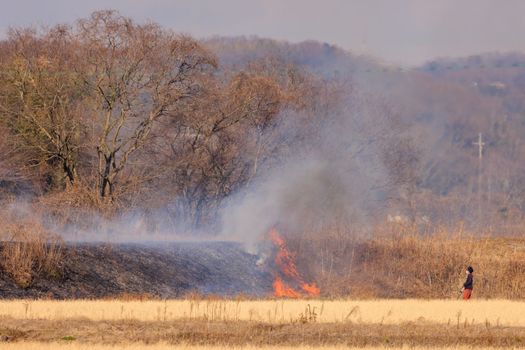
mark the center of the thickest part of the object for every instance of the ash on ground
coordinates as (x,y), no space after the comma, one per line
(165,270)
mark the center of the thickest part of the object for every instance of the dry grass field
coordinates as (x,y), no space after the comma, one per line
(165,346)
(250,324)
(492,312)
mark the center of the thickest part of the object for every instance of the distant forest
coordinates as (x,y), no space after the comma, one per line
(107,116)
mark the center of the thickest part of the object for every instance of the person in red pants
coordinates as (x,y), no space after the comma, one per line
(467,286)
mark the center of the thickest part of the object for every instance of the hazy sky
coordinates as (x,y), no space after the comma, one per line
(397,31)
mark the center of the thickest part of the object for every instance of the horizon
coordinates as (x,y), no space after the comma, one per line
(424,31)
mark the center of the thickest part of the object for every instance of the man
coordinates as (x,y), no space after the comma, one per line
(467,286)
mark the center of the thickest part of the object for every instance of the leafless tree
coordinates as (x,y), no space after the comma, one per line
(40,99)
(136,75)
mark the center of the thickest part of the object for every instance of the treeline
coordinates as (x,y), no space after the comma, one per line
(109,113)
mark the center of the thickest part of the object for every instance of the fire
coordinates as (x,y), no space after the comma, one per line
(280,289)
(287,272)
(311,289)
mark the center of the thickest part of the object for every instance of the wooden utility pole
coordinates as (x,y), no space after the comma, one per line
(480,145)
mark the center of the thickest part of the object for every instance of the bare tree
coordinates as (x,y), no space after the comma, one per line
(208,152)
(13,176)
(41,96)
(136,75)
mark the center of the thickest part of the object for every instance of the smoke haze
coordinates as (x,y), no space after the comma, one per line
(407,32)
(340,178)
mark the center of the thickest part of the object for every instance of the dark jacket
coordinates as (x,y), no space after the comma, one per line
(469,282)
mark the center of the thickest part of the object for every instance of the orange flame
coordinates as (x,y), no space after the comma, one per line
(280,289)
(311,289)
(285,261)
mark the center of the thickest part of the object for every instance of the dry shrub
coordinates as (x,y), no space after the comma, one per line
(28,250)
(76,205)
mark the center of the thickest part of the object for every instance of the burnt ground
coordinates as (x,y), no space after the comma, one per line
(164,270)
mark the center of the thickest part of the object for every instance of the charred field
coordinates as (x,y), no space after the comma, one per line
(333,266)
(152,270)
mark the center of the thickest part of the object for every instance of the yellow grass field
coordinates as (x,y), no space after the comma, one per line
(493,312)
(254,324)
(58,346)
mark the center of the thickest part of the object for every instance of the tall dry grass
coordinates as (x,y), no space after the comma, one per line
(389,312)
(27,248)
(401,262)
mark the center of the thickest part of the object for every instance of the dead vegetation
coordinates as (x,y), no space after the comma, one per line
(29,250)
(401,262)
(165,346)
(264,323)
(489,313)
(205,333)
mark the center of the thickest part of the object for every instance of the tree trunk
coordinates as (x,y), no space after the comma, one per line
(70,170)
(105,186)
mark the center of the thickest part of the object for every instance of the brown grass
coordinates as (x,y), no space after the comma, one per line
(255,324)
(244,333)
(403,263)
(166,346)
(28,249)
(505,313)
